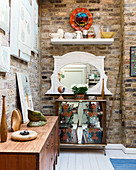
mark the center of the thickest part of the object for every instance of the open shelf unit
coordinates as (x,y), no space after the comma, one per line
(82,123)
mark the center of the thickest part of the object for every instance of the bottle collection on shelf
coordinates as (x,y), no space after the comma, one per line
(80,122)
(93,32)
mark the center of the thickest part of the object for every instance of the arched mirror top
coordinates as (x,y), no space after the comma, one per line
(81,66)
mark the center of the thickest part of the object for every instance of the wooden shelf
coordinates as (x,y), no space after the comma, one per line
(69,145)
(73,100)
(83,41)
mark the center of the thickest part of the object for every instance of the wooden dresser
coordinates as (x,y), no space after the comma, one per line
(38,154)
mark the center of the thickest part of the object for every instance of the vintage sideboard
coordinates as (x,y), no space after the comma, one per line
(38,154)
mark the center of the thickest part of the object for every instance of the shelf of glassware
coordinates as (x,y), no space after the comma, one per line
(83,41)
(90,128)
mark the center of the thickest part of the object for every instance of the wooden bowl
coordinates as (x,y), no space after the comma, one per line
(18,137)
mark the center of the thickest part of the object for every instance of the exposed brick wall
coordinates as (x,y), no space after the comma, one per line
(56,13)
(8,83)
(129,83)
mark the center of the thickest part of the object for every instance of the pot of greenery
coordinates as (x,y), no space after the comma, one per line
(79,91)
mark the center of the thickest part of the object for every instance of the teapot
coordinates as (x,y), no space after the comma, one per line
(69,35)
(79,34)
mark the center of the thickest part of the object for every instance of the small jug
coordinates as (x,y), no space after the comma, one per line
(60,32)
(79,34)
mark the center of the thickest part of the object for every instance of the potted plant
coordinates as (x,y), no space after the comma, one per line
(79,90)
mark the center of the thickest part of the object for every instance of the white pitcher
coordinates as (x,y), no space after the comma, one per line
(60,32)
(79,34)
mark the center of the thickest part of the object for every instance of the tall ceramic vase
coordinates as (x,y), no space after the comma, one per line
(3,123)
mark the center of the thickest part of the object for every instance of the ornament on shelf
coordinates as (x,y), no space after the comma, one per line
(16,120)
(61,89)
(102,88)
(81,19)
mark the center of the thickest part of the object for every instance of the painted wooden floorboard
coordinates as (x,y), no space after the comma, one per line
(86,161)
(89,160)
(93,161)
(79,161)
(59,162)
(108,163)
(64,161)
(72,161)
(101,163)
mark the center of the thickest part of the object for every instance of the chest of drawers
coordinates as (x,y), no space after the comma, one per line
(38,154)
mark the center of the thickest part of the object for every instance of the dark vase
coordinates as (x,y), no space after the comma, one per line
(3,123)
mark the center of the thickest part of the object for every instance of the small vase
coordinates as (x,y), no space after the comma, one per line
(79,97)
(3,123)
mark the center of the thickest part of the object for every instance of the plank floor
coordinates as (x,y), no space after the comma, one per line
(89,159)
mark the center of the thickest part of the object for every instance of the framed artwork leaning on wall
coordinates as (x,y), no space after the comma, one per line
(25,95)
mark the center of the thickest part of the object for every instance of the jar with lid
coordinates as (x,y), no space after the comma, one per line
(91,33)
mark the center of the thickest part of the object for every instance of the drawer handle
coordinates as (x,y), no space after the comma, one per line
(51,145)
(51,134)
(47,145)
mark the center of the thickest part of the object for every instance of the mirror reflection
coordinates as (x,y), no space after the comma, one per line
(78,73)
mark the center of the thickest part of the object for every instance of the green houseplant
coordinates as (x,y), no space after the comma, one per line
(79,90)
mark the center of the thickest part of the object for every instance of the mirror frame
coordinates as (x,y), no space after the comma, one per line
(79,57)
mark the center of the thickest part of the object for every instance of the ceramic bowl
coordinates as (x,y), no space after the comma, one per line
(108,34)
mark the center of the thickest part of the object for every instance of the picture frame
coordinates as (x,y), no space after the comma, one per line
(4,57)
(21,29)
(4,15)
(25,94)
(35,28)
(133,61)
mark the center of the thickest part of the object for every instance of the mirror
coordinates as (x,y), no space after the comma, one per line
(86,67)
(78,73)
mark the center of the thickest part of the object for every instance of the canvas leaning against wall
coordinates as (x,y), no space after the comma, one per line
(4,57)
(21,29)
(25,95)
(4,15)
(35,40)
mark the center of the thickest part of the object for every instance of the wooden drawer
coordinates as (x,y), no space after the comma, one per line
(48,153)
(11,161)
(56,138)
(44,157)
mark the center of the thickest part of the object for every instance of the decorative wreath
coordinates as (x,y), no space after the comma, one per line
(81,19)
